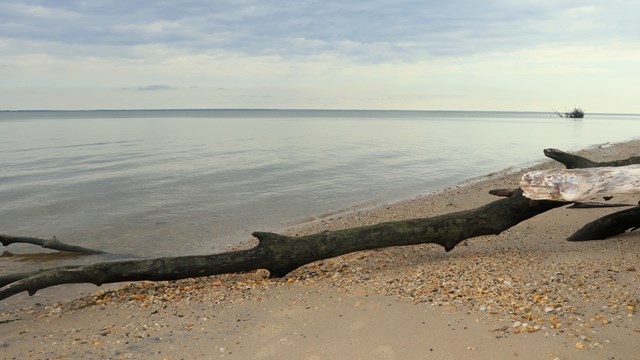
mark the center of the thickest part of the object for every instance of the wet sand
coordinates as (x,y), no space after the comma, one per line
(524,294)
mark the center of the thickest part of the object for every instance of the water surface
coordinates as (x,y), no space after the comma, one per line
(158,183)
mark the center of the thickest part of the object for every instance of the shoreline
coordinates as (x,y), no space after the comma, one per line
(511,173)
(526,291)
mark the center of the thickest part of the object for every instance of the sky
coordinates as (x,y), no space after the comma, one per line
(512,55)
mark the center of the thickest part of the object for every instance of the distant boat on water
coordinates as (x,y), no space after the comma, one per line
(577,113)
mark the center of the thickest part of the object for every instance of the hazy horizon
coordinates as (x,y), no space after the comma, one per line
(303,109)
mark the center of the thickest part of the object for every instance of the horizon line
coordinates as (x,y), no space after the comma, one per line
(552,112)
(274,109)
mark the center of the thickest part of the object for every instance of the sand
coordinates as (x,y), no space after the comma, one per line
(524,294)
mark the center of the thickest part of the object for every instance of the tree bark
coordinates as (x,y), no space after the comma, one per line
(53,244)
(575,205)
(581,184)
(594,205)
(282,254)
(571,161)
(610,225)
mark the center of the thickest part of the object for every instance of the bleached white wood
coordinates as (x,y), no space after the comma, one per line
(581,184)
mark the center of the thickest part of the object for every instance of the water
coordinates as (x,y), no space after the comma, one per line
(158,183)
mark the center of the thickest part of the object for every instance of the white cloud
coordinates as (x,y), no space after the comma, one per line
(385,54)
(156,87)
(304,27)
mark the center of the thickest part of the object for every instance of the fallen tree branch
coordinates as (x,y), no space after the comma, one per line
(595,205)
(13,277)
(502,192)
(572,161)
(610,225)
(53,244)
(581,184)
(575,205)
(282,254)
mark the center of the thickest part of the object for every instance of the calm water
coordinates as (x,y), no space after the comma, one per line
(156,183)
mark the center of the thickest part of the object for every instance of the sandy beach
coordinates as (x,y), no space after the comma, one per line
(524,294)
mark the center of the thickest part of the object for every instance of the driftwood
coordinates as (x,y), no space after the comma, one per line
(282,254)
(581,184)
(571,161)
(594,205)
(610,225)
(53,244)
(575,205)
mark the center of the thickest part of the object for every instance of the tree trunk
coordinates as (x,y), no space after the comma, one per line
(581,184)
(610,225)
(282,254)
(571,161)
(53,244)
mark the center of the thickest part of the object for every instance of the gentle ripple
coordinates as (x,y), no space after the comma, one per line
(157,183)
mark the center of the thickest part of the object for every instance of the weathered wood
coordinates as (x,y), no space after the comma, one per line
(282,254)
(572,161)
(581,184)
(610,225)
(595,205)
(502,192)
(53,244)
(575,205)
(13,277)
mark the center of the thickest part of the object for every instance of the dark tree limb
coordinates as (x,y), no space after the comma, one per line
(592,205)
(13,277)
(502,192)
(53,244)
(572,161)
(282,254)
(610,225)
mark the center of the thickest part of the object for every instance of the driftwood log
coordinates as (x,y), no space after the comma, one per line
(576,205)
(282,254)
(610,225)
(53,244)
(571,161)
(581,184)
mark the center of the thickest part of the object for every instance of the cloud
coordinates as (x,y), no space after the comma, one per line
(422,54)
(151,88)
(370,31)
